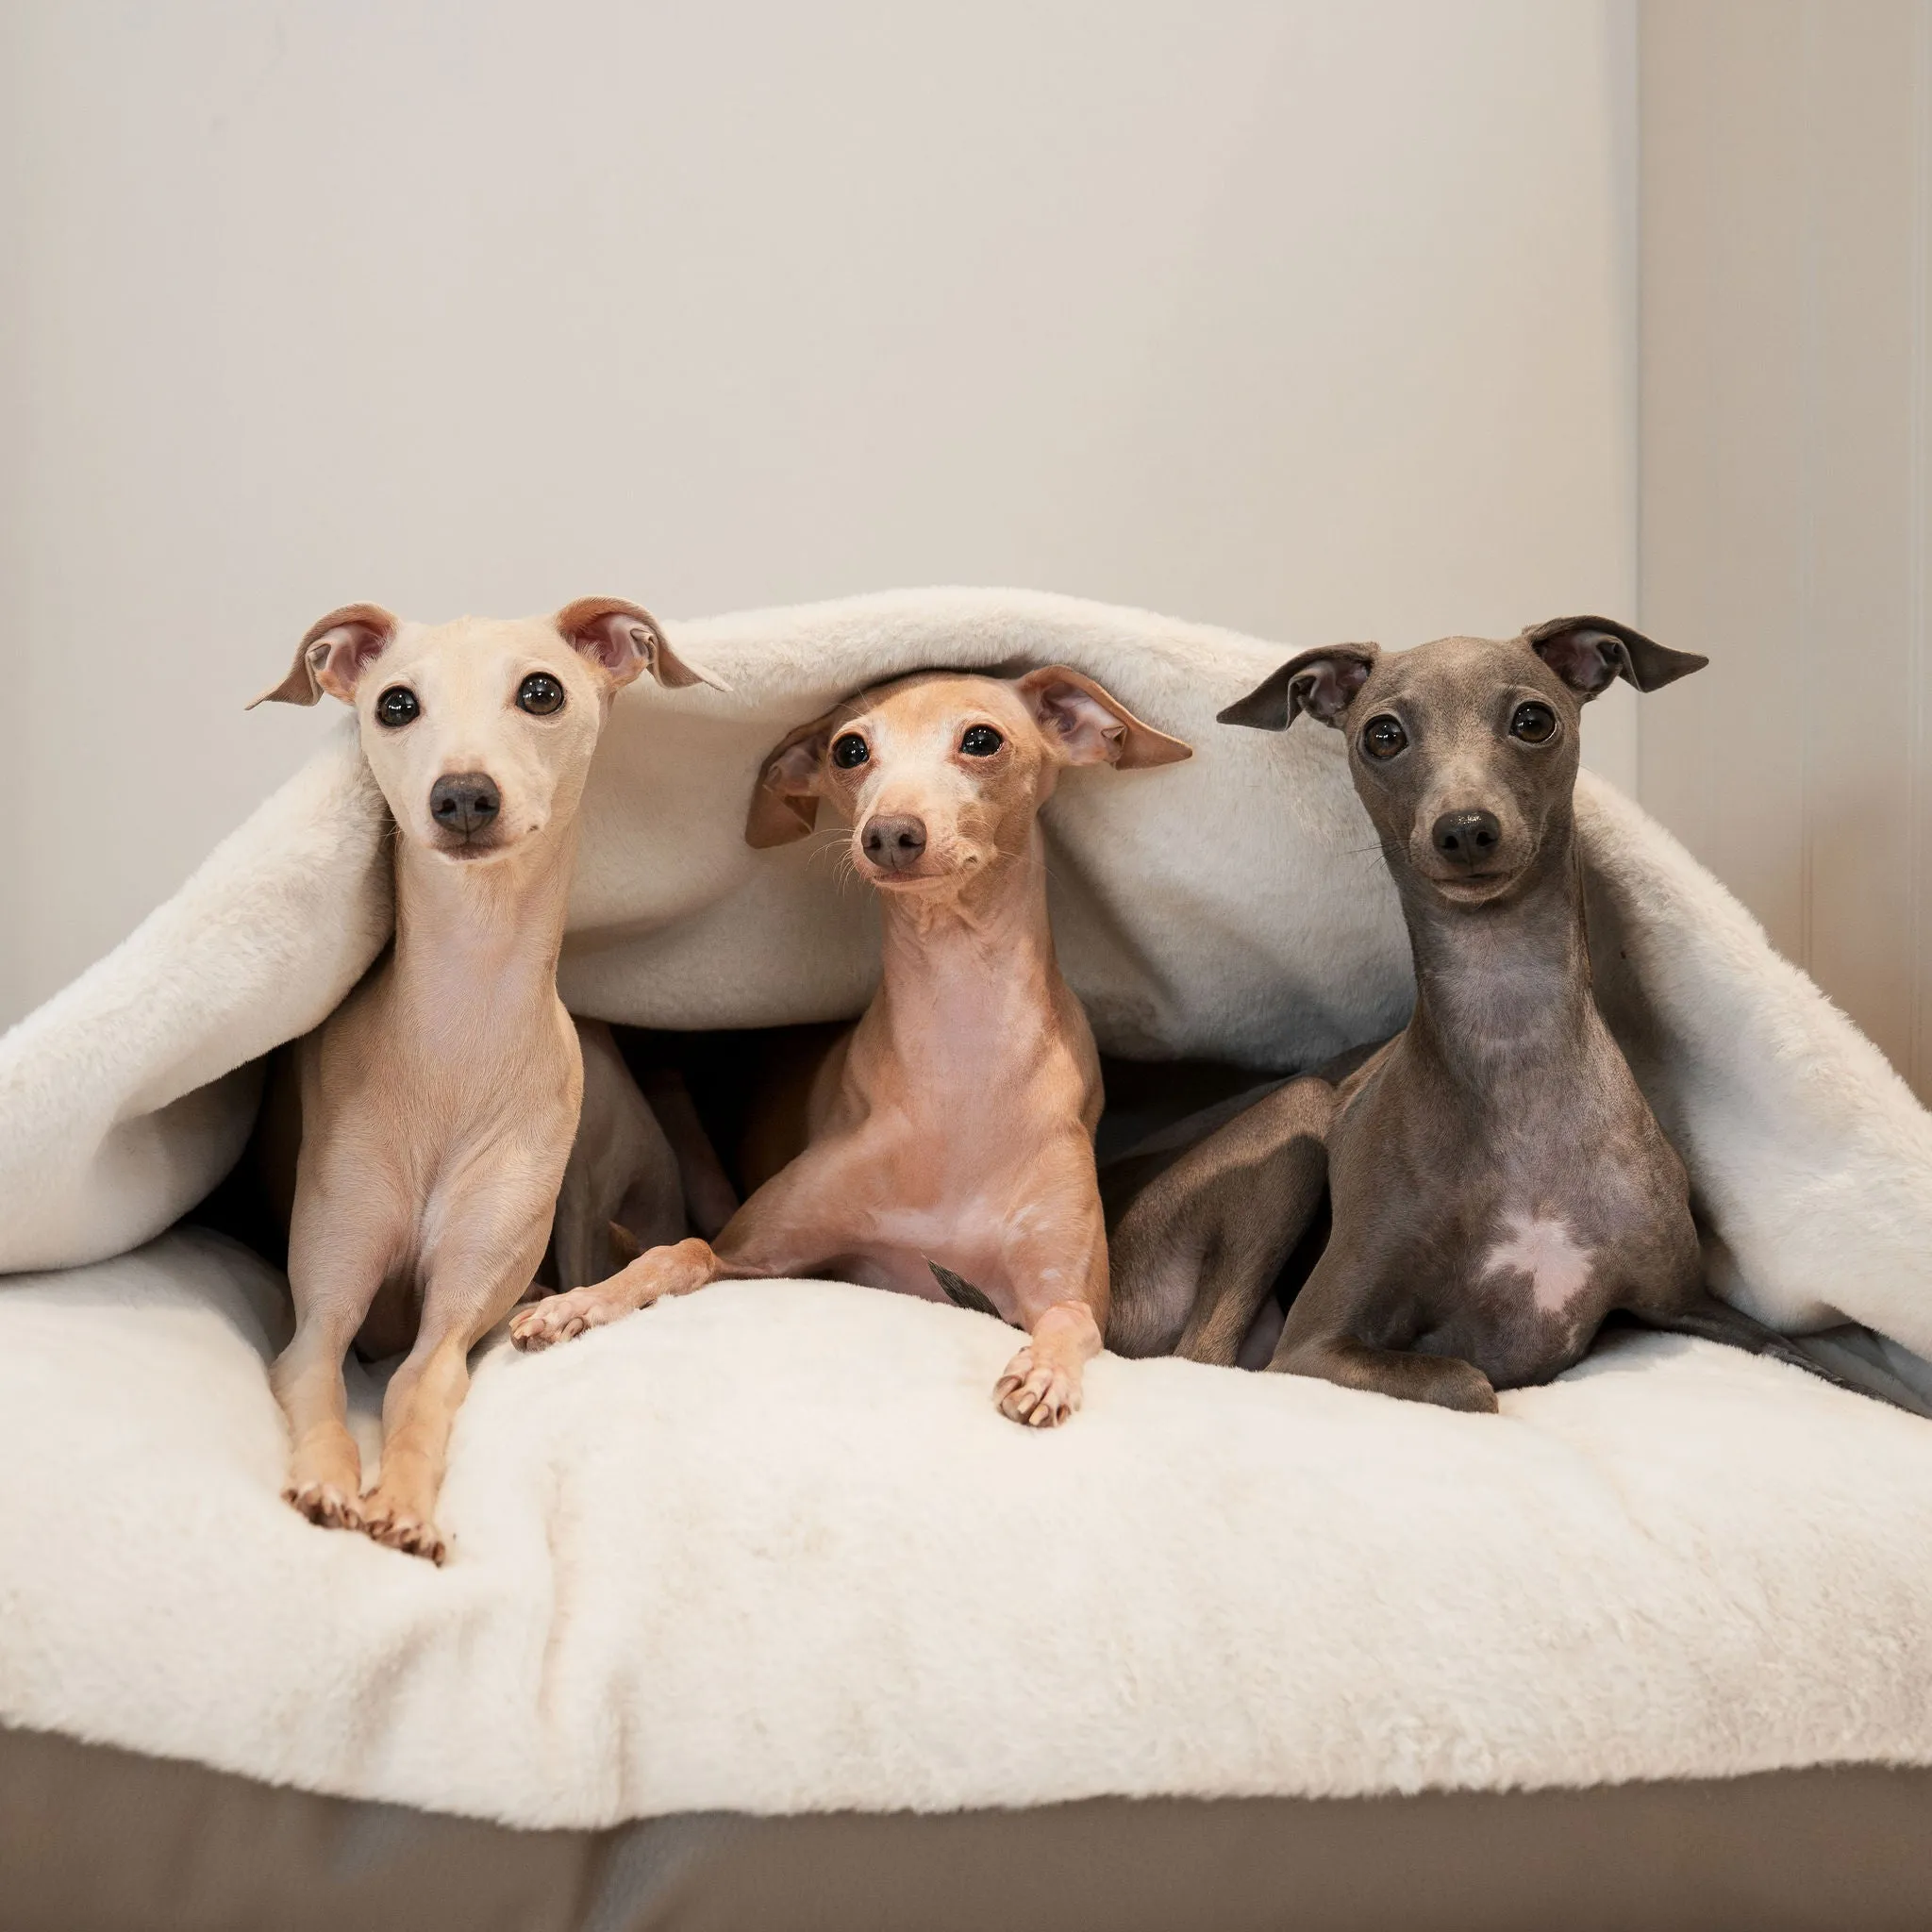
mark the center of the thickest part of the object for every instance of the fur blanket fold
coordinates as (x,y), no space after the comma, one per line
(685,1574)
(1233,908)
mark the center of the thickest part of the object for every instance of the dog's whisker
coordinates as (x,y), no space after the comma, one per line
(1040,864)
(833,843)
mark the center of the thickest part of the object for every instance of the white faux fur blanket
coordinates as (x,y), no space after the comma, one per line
(771,1548)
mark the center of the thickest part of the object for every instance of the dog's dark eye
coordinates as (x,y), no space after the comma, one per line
(1533,724)
(396,707)
(1382,738)
(540,694)
(982,741)
(849,751)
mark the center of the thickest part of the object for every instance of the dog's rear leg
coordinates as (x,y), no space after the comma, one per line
(621,1170)
(1195,1254)
(709,1199)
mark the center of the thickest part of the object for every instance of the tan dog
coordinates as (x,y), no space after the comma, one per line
(951,1132)
(439,1102)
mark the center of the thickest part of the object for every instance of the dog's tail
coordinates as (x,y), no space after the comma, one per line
(962,1293)
(1711,1320)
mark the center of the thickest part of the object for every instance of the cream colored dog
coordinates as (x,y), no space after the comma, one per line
(440,1101)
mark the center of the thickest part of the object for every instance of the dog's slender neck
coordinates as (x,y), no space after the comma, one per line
(478,939)
(1505,982)
(975,963)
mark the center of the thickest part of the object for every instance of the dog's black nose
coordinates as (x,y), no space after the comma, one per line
(893,844)
(1468,839)
(465,801)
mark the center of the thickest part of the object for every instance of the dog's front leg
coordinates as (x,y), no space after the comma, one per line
(472,1278)
(1041,1386)
(1356,1302)
(325,1468)
(336,1261)
(680,1268)
(790,1224)
(1057,1262)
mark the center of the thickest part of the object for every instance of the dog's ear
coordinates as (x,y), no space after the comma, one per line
(333,656)
(784,801)
(1086,725)
(1587,653)
(624,639)
(1322,682)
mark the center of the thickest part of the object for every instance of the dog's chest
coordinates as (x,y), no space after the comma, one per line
(1518,1287)
(979,1234)
(1554,1208)
(1531,1208)
(1546,1253)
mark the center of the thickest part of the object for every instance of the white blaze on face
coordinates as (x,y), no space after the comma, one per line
(1558,1268)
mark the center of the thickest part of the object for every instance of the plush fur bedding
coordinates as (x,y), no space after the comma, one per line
(772,1549)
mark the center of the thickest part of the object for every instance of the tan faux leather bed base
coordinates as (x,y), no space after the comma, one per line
(93,1839)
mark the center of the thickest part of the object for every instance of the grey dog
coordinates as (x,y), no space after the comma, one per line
(1499,1184)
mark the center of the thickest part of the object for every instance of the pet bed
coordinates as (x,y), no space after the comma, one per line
(770,1552)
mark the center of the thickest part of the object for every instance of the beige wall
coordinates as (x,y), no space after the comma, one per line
(1317,319)
(1786,476)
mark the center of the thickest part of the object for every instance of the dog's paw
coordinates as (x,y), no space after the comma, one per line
(561,1317)
(325,1505)
(398,1528)
(1037,1392)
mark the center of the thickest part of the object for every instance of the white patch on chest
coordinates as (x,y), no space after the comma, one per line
(1558,1268)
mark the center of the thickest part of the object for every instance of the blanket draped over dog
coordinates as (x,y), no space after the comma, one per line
(772,1548)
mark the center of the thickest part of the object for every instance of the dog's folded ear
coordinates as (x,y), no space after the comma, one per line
(623,640)
(1587,653)
(1322,682)
(332,655)
(784,801)
(1086,725)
